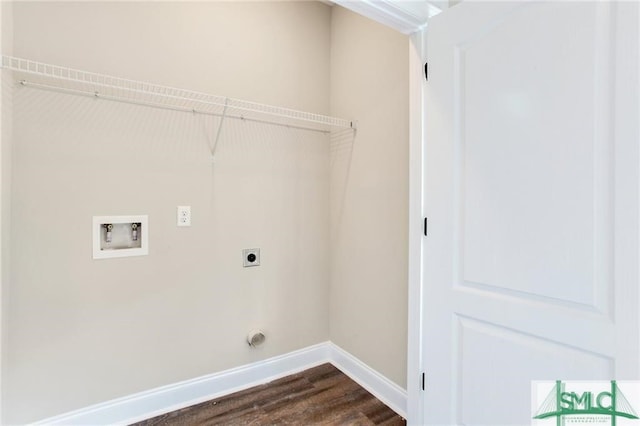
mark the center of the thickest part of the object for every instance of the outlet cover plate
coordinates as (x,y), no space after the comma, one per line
(184,215)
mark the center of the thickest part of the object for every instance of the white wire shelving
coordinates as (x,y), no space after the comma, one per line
(53,77)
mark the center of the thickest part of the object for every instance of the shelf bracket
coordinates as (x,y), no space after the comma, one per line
(224,114)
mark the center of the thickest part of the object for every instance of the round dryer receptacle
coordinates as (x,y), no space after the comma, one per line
(251,257)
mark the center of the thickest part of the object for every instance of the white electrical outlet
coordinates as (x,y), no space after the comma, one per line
(184,215)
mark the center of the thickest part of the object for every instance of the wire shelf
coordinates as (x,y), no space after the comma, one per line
(53,77)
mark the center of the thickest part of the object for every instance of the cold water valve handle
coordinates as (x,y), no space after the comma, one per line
(109,228)
(134,231)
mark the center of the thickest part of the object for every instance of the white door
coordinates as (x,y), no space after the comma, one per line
(531,193)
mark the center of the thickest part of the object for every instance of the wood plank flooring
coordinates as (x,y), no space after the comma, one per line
(319,396)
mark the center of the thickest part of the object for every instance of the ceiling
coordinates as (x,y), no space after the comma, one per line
(406,16)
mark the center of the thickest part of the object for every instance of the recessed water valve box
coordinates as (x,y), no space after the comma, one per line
(251,257)
(120,236)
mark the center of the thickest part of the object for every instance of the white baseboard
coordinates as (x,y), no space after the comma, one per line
(382,388)
(168,398)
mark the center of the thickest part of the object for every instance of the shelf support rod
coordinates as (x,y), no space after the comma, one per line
(224,114)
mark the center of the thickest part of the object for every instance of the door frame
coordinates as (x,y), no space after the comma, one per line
(415,303)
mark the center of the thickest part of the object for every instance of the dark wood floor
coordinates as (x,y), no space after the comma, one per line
(319,396)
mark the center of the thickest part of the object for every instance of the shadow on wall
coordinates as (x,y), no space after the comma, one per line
(341,144)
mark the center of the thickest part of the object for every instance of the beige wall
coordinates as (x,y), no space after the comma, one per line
(6,44)
(333,239)
(369,193)
(269,52)
(82,331)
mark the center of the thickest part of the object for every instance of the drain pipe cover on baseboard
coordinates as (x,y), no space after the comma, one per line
(255,338)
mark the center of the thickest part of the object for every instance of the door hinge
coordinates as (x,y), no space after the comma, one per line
(424,379)
(426,71)
(425,226)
